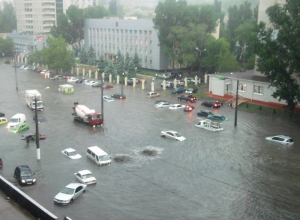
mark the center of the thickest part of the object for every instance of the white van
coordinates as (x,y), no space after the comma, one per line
(98,155)
(16,119)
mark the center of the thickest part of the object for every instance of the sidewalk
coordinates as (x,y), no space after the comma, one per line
(12,211)
(254,102)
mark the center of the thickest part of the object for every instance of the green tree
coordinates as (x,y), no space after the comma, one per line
(95,12)
(83,56)
(278,51)
(111,69)
(127,60)
(120,63)
(91,56)
(227,63)
(136,62)
(131,70)
(102,63)
(6,46)
(8,20)
(36,57)
(63,28)
(113,7)
(57,56)
(214,51)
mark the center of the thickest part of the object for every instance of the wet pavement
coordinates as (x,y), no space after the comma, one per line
(232,174)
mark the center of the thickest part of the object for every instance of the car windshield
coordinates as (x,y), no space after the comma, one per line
(72,153)
(68,191)
(26,173)
(14,120)
(104,158)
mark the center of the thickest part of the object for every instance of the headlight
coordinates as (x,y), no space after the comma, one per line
(23,181)
(33,180)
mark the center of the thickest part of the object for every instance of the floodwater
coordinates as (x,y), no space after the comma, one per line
(232,174)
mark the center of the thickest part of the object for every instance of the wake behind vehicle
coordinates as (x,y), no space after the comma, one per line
(87,116)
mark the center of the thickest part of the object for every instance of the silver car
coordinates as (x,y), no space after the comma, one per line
(69,193)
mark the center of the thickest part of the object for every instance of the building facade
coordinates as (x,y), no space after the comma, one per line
(35,16)
(108,36)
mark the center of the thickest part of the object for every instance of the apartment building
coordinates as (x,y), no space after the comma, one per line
(35,16)
(108,36)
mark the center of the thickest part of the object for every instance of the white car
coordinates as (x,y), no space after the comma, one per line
(72,79)
(85,176)
(71,153)
(176,106)
(22,67)
(69,193)
(168,84)
(90,82)
(172,135)
(162,105)
(108,98)
(27,68)
(282,139)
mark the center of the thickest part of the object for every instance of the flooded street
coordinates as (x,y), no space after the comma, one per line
(231,174)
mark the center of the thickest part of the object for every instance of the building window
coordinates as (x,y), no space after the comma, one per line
(258,90)
(243,87)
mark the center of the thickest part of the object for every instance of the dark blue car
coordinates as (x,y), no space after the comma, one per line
(178,90)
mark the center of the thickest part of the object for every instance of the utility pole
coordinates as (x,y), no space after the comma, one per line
(16,73)
(236,103)
(37,133)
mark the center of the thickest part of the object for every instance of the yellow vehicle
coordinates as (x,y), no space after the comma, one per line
(66,88)
(3,120)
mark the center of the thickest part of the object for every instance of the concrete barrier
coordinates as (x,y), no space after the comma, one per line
(25,201)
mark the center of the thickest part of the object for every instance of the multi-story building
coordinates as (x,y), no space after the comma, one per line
(108,36)
(35,16)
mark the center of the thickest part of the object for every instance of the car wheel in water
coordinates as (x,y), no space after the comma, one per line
(163,136)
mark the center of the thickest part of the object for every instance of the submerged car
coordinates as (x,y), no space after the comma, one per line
(85,176)
(162,105)
(32,137)
(71,153)
(69,193)
(281,139)
(107,86)
(217,117)
(211,104)
(24,175)
(108,98)
(152,94)
(3,120)
(119,96)
(176,106)
(204,113)
(191,90)
(178,90)
(189,108)
(19,127)
(172,135)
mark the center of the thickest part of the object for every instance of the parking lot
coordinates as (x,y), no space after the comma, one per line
(231,174)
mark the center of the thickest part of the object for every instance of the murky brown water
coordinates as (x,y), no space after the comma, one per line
(232,174)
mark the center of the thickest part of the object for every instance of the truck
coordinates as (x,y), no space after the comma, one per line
(30,96)
(86,116)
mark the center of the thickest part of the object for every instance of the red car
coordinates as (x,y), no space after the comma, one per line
(107,86)
(29,137)
(189,108)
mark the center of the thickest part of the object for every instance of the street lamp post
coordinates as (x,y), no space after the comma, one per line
(236,103)
(16,73)
(122,82)
(200,51)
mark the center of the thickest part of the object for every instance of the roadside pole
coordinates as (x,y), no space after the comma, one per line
(37,133)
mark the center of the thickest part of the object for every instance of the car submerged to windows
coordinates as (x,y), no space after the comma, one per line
(281,139)
(71,153)
(178,90)
(162,105)
(85,176)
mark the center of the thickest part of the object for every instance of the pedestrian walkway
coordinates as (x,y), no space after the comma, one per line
(12,211)
(254,102)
